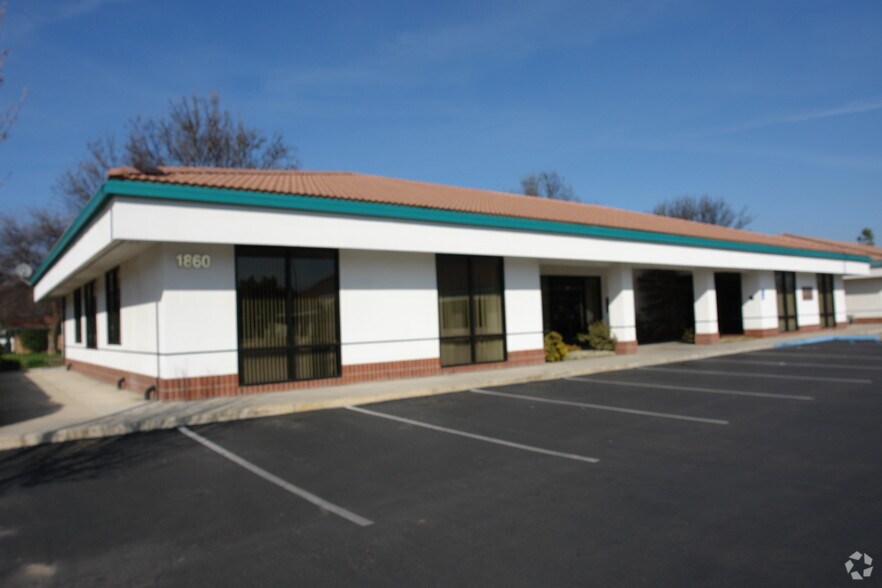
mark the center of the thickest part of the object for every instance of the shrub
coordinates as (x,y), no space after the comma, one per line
(34,340)
(598,337)
(555,348)
(688,336)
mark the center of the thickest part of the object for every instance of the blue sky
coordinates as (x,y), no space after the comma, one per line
(772,105)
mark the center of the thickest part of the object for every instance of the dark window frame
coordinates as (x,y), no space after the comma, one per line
(788,281)
(112,305)
(290,349)
(472,337)
(91,308)
(826,287)
(78,315)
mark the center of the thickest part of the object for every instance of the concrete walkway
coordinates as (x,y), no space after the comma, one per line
(91,409)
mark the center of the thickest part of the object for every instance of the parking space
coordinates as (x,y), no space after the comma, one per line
(710,471)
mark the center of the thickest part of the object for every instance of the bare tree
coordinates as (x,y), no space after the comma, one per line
(196,131)
(27,239)
(547,185)
(867,237)
(9,114)
(704,209)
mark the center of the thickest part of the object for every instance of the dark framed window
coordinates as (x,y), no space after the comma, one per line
(471,309)
(825,300)
(288,302)
(78,315)
(91,315)
(112,300)
(785,286)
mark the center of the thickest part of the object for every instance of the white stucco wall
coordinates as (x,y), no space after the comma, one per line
(839,303)
(388,307)
(760,308)
(523,305)
(864,298)
(197,328)
(140,290)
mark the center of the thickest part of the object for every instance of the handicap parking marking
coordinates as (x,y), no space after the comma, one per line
(475,436)
(664,415)
(755,375)
(837,366)
(695,389)
(273,479)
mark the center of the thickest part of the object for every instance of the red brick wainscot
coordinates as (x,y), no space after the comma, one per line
(707,338)
(626,347)
(774,332)
(228,384)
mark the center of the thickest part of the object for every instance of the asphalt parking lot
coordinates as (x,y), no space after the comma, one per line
(752,469)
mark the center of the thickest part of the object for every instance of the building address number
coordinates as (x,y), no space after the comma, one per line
(193,260)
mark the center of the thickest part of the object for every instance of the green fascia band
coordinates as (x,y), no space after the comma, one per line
(182,193)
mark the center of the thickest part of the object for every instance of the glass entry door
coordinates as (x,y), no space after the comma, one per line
(785,284)
(825,300)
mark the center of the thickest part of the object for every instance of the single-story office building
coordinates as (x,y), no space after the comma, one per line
(863,292)
(186,283)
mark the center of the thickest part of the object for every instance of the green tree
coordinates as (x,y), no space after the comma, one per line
(866,237)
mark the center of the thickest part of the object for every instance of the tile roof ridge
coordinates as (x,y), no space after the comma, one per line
(122,172)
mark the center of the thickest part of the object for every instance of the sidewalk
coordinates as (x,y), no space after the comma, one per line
(91,409)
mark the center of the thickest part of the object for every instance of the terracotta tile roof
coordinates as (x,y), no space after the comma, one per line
(874,253)
(370,188)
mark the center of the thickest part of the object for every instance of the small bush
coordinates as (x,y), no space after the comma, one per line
(34,340)
(555,348)
(598,337)
(688,336)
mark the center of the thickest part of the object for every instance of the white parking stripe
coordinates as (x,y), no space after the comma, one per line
(753,375)
(837,366)
(694,389)
(273,479)
(793,355)
(493,440)
(664,415)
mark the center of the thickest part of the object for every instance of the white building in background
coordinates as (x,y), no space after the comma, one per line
(190,283)
(863,292)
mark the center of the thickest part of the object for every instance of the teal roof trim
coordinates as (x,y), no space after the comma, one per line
(183,193)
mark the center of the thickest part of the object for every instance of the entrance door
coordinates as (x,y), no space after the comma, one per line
(728,287)
(567,306)
(785,284)
(825,300)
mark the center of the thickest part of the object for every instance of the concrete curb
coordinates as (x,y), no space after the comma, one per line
(160,416)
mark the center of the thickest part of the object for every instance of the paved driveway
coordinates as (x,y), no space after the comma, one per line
(756,469)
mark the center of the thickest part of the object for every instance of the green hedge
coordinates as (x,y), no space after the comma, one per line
(35,340)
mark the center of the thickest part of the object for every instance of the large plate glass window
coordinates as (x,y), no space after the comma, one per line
(825,300)
(288,305)
(785,285)
(471,309)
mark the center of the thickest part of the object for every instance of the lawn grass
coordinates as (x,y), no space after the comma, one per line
(18,361)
